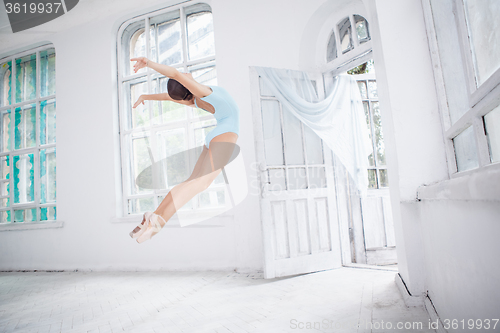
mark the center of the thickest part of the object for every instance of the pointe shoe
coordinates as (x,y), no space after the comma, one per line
(143,226)
(153,227)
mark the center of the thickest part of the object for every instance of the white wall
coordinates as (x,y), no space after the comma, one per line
(250,33)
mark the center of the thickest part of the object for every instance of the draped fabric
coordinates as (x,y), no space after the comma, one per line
(338,119)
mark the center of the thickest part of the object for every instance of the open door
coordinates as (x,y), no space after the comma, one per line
(298,205)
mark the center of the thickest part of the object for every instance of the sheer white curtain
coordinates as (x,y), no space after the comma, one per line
(338,119)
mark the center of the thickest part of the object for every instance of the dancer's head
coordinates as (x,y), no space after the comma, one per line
(177,91)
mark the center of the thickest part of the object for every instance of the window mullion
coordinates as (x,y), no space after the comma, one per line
(12,138)
(184,38)
(36,158)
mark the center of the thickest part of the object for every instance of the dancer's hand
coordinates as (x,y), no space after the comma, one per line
(141,62)
(140,100)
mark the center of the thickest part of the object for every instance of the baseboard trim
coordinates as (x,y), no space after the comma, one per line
(431,311)
(407,296)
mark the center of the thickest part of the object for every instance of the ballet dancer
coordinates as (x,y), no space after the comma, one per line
(182,88)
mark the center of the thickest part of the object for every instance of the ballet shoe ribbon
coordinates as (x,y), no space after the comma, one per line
(154,222)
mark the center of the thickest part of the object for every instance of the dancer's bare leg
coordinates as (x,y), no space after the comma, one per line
(182,193)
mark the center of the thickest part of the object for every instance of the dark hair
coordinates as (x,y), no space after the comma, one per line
(177,91)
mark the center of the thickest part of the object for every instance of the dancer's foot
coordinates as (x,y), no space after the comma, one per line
(154,225)
(141,227)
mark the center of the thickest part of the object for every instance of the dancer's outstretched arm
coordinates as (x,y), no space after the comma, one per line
(196,88)
(159,97)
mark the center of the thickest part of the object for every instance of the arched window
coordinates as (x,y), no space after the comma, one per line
(28,137)
(183,37)
(347,41)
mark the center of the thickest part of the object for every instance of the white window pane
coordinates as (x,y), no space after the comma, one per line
(450,58)
(48,213)
(140,206)
(465,150)
(170,43)
(48,72)
(294,151)
(271,125)
(492,125)
(5,83)
(47,122)
(379,134)
(134,45)
(25,126)
(24,181)
(25,215)
(362,89)
(211,198)
(484,32)
(331,50)
(202,128)
(372,88)
(362,29)
(26,78)
(366,108)
(140,115)
(47,175)
(276,179)
(200,32)
(297,179)
(140,160)
(344,29)
(6,137)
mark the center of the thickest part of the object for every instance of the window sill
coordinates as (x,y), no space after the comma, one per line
(219,220)
(14,226)
(478,184)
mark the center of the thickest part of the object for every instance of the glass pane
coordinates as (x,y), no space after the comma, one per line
(25,215)
(203,128)
(5,202)
(492,125)
(450,58)
(200,33)
(372,88)
(24,126)
(484,36)
(170,43)
(24,182)
(48,214)
(276,179)
(5,166)
(314,146)
(134,45)
(271,126)
(5,216)
(362,89)
(26,78)
(48,121)
(5,138)
(331,50)
(379,135)
(345,35)
(264,88)
(139,115)
(297,179)
(317,178)
(465,150)
(372,179)
(366,107)
(294,150)
(140,158)
(5,83)
(140,206)
(207,76)
(212,198)
(176,167)
(384,180)
(48,72)
(47,175)
(362,29)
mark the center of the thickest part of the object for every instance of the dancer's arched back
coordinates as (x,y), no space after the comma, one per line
(184,89)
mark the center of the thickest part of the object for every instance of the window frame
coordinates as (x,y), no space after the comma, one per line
(189,123)
(359,53)
(482,99)
(35,150)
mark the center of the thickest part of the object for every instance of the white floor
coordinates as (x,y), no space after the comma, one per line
(328,301)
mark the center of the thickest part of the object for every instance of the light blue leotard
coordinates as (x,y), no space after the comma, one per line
(226,113)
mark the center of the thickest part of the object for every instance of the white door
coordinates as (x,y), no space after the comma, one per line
(298,205)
